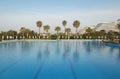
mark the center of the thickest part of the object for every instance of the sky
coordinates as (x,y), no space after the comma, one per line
(15,14)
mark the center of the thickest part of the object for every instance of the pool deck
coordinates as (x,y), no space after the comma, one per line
(48,40)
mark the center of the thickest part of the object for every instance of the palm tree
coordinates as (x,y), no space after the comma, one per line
(39,25)
(25,31)
(57,29)
(89,30)
(111,35)
(76,24)
(64,24)
(68,30)
(12,32)
(46,28)
(22,31)
(102,32)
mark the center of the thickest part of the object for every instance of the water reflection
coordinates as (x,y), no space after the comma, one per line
(47,49)
(66,49)
(58,48)
(8,45)
(114,50)
(74,49)
(26,46)
(63,49)
(55,52)
(39,54)
(76,52)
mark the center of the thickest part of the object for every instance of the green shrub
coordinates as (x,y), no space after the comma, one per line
(0,37)
(53,37)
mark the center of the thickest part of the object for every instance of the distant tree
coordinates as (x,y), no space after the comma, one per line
(95,34)
(111,34)
(64,24)
(12,33)
(25,31)
(89,30)
(68,30)
(39,25)
(0,37)
(102,32)
(76,24)
(57,29)
(4,33)
(118,26)
(46,28)
(33,33)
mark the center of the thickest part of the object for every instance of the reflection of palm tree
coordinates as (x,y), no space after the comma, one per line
(88,47)
(76,53)
(39,55)
(25,46)
(57,49)
(66,49)
(47,52)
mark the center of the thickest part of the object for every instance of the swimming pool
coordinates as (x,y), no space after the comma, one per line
(61,59)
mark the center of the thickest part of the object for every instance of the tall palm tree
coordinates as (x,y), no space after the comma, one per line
(39,25)
(76,24)
(46,28)
(57,29)
(68,30)
(64,24)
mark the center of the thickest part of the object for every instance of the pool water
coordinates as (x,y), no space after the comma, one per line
(60,59)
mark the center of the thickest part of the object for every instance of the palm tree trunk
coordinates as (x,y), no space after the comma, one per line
(57,32)
(76,30)
(39,30)
(47,31)
(64,30)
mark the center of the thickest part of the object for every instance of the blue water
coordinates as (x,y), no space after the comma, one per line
(75,59)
